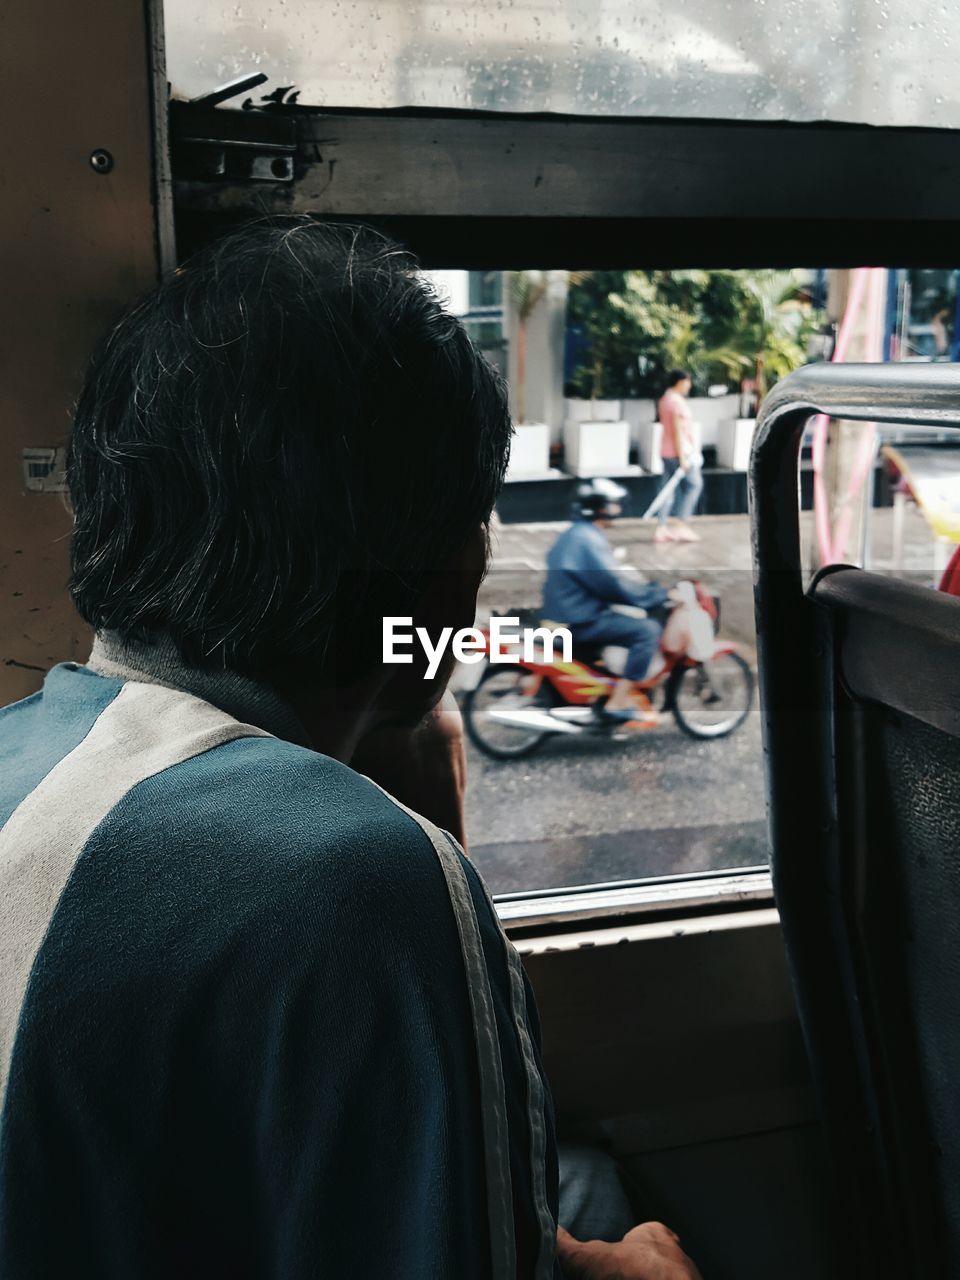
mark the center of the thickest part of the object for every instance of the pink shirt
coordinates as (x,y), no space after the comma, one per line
(674,413)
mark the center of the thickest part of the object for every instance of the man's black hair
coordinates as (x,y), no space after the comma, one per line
(278,442)
(677,375)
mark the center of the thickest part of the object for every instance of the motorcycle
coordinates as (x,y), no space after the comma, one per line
(516,704)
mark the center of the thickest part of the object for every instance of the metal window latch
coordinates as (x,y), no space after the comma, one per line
(257,143)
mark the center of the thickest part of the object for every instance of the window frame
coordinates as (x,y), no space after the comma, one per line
(489,190)
(482,190)
(614,903)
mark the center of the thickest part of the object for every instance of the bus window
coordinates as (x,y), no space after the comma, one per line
(818,61)
(559,796)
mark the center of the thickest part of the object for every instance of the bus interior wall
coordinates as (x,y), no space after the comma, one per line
(678,1046)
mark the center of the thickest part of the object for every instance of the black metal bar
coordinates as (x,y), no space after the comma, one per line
(402,165)
(484,243)
(233,89)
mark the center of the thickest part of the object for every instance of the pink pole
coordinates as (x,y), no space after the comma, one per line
(862,466)
(821,509)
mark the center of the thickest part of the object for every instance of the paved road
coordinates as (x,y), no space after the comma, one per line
(591,810)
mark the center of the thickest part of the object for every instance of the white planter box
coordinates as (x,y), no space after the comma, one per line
(707,411)
(596,448)
(734,438)
(530,451)
(649,436)
(593,410)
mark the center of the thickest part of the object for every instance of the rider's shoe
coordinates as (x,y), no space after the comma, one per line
(631,715)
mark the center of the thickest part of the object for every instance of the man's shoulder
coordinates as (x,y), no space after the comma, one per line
(591,540)
(162,806)
(582,531)
(39,731)
(273,804)
(576,547)
(262,845)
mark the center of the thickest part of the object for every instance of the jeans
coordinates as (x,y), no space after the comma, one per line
(593,1203)
(685,497)
(640,635)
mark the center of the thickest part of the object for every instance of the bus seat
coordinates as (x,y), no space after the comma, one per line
(889,653)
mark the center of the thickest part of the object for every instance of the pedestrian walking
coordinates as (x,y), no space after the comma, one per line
(680,451)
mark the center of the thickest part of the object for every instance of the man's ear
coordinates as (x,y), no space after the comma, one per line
(447,604)
(449,597)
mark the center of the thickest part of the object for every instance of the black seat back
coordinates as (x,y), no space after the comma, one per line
(860,683)
(893,652)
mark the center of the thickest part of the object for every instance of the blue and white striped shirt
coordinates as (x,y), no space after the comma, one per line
(256,1019)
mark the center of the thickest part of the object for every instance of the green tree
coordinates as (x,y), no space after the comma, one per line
(664,309)
(767,332)
(633,326)
(610,343)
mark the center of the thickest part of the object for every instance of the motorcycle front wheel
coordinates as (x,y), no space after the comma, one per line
(501,689)
(712,699)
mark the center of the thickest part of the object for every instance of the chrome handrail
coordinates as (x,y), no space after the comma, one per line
(911,395)
(918,395)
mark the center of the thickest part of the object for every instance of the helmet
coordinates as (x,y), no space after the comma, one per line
(599,498)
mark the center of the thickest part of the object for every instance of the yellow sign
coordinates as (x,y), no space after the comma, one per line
(932,474)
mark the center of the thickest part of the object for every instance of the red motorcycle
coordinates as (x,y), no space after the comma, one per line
(516,704)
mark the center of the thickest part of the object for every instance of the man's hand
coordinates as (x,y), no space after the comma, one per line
(648,1252)
(425,766)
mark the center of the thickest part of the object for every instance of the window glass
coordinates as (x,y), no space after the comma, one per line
(926,308)
(485,288)
(919,473)
(558,796)
(477,298)
(853,60)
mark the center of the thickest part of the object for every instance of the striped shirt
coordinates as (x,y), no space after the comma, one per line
(256,1018)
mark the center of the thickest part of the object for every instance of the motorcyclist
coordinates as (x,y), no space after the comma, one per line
(583,585)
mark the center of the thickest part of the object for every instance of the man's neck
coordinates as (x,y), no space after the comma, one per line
(334,720)
(332,723)
(158,661)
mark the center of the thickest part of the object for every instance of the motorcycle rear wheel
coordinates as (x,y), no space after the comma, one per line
(714,705)
(496,686)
